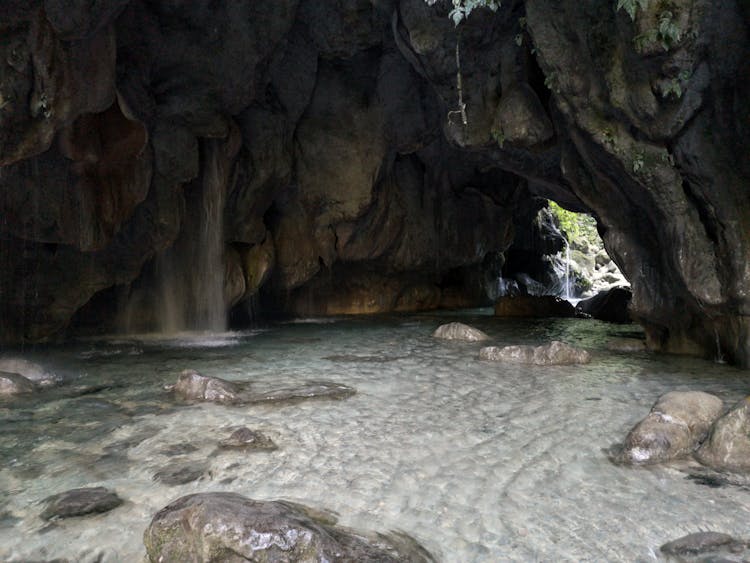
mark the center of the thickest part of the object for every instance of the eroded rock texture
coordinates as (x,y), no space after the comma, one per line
(345,178)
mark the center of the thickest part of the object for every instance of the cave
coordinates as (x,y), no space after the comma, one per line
(183,182)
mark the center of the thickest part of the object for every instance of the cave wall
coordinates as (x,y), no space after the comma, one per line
(349,182)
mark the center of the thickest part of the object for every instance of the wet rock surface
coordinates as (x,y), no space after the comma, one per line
(678,422)
(553,354)
(459,331)
(227,526)
(339,165)
(610,305)
(30,370)
(191,386)
(12,384)
(179,473)
(244,438)
(80,502)
(728,444)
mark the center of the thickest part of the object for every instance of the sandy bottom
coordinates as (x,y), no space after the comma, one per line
(478,461)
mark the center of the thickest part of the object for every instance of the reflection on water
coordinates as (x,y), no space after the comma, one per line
(479,461)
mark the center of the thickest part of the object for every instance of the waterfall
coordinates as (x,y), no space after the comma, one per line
(567,271)
(191,273)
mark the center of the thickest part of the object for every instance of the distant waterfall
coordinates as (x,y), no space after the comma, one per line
(191,273)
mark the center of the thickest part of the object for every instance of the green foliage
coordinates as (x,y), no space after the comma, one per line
(575,226)
(462,8)
(667,33)
(674,86)
(631,6)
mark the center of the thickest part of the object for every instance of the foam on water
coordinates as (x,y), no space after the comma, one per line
(479,461)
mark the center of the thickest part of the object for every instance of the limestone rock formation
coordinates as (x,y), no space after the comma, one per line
(331,138)
(459,331)
(226,526)
(678,422)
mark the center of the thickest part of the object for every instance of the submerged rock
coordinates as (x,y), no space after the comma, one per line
(533,306)
(180,473)
(728,443)
(192,386)
(704,544)
(459,331)
(217,527)
(13,384)
(248,439)
(552,354)
(30,370)
(307,390)
(623,344)
(677,424)
(80,502)
(610,305)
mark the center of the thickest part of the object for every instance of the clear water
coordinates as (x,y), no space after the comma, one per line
(479,461)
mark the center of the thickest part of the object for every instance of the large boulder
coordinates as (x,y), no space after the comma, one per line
(553,354)
(678,422)
(533,306)
(30,370)
(728,443)
(13,384)
(610,305)
(217,527)
(459,331)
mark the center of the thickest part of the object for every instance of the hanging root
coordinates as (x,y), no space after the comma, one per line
(459,86)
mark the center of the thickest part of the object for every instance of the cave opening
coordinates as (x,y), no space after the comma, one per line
(266,265)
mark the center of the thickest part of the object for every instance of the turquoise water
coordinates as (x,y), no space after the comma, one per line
(478,461)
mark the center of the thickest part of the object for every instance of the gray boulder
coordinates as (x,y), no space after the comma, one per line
(30,370)
(218,527)
(80,502)
(192,386)
(553,354)
(12,384)
(459,331)
(678,422)
(728,443)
